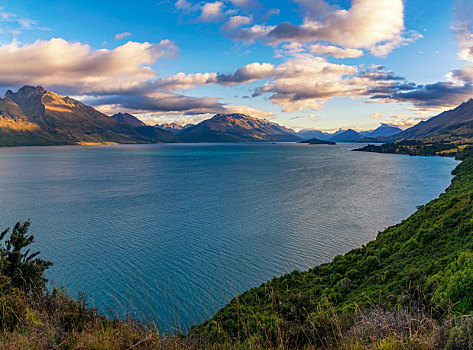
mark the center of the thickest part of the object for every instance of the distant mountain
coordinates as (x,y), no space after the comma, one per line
(157,134)
(175,128)
(457,122)
(237,128)
(349,135)
(318,142)
(128,119)
(383,130)
(147,131)
(306,134)
(35,116)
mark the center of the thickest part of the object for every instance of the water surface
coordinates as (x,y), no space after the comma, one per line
(183,227)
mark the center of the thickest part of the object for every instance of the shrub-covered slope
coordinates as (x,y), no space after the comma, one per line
(428,258)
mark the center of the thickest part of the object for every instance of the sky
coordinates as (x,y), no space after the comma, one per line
(305,64)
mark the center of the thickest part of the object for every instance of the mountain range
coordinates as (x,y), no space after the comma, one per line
(175,128)
(35,116)
(384,130)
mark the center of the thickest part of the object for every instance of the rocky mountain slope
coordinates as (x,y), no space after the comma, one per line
(457,122)
(237,128)
(128,119)
(35,116)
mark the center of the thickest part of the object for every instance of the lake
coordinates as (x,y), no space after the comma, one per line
(176,230)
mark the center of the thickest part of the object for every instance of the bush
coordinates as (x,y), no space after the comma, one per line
(24,269)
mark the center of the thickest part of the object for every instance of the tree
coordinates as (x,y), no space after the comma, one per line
(24,269)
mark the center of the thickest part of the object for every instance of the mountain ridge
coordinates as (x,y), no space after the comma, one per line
(349,135)
(237,127)
(456,122)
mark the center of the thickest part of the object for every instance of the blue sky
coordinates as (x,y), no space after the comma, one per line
(302,63)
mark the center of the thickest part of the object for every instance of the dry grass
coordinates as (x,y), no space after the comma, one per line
(57,321)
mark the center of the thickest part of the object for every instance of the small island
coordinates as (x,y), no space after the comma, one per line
(315,141)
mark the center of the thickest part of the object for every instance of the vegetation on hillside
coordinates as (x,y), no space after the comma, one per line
(421,147)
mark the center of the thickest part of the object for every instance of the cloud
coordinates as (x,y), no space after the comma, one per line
(311,117)
(373,25)
(236,22)
(246,74)
(158,102)
(337,52)
(257,113)
(401,120)
(13,24)
(211,12)
(170,104)
(307,83)
(153,119)
(120,36)
(301,83)
(437,96)
(57,62)
(382,50)
(252,33)
(185,6)
(234,13)
(365,24)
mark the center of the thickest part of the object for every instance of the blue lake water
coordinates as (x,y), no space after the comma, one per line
(176,230)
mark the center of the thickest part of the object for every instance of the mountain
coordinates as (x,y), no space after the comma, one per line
(237,128)
(128,119)
(383,130)
(157,134)
(17,129)
(306,134)
(35,116)
(349,135)
(175,128)
(457,122)
(148,131)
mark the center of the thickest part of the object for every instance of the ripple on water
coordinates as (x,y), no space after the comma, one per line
(182,228)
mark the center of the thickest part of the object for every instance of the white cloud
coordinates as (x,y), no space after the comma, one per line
(382,50)
(185,6)
(235,22)
(120,36)
(365,24)
(13,24)
(307,83)
(337,52)
(211,12)
(182,81)
(311,117)
(57,62)
(256,113)
(246,74)
(401,120)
